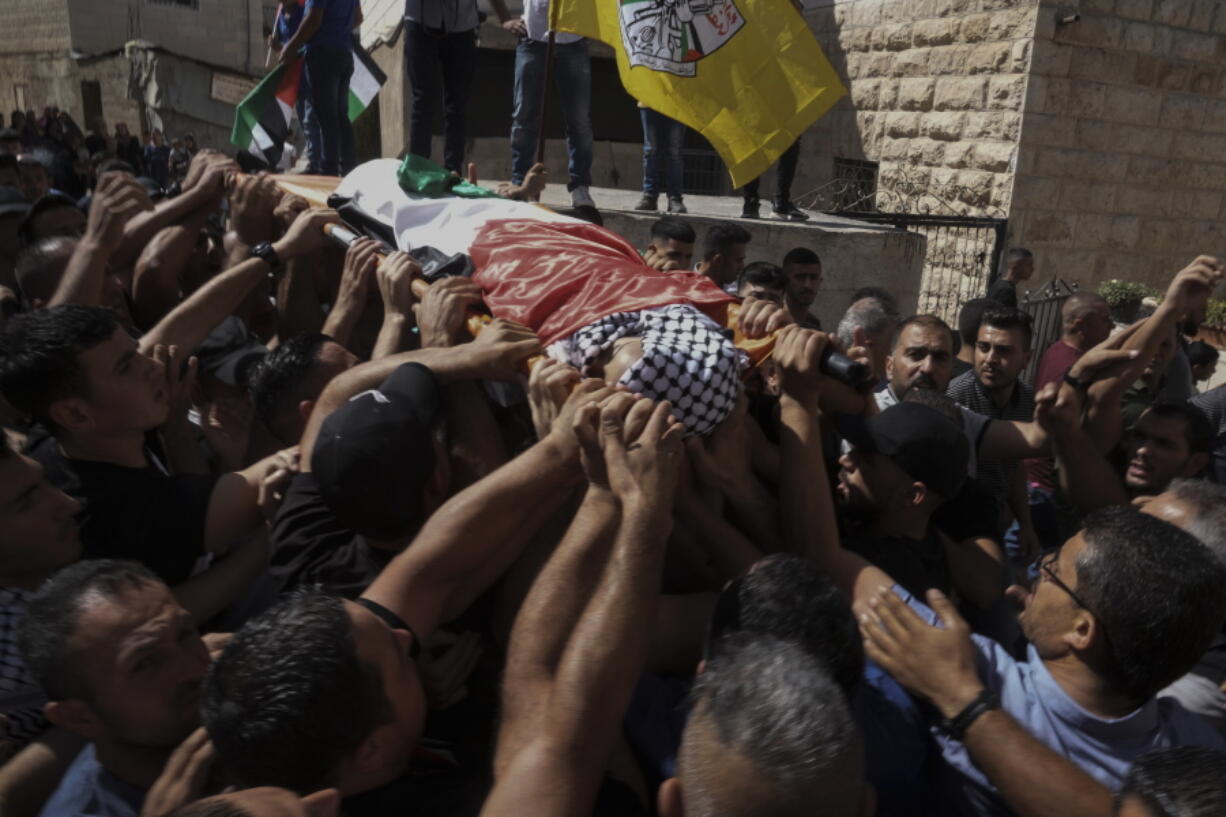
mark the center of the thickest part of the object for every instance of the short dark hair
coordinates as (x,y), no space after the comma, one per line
(1183,781)
(278,376)
(49,202)
(36,262)
(1198,431)
(790,599)
(111,164)
(939,401)
(52,613)
(926,321)
(40,355)
(674,229)
(888,302)
(1157,592)
(1016,254)
(1007,317)
(1207,502)
(289,699)
(722,237)
(969,318)
(801,255)
(776,705)
(764,274)
(1199,353)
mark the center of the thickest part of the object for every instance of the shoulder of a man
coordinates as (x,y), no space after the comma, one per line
(86,790)
(962,386)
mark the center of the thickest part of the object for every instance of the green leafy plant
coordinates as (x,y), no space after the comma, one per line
(1118,293)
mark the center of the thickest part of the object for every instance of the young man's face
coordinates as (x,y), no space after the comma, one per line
(38,528)
(126,390)
(34,181)
(66,221)
(682,252)
(803,281)
(141,662)
(1203,371)
(1022,269)
(1000,357)
(1049,610)
(726,266)
(923,358)
(1096,325)
(762,293)
(1158,452)
(869,483)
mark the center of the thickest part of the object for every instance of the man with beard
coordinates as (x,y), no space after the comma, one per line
(1170,441)
(121,664)
(1127,606)
(804,273)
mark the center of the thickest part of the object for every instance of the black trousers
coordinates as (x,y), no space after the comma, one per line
(785,171)
(427,53)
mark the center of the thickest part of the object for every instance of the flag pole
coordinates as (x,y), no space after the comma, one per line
(545,86)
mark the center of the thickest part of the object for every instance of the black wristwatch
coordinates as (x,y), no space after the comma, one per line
(956,726)
(268,255)
(1080,385)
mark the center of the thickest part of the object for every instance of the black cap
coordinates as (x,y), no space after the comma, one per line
(229,352)
(12,201)
(920,440)
(374,455)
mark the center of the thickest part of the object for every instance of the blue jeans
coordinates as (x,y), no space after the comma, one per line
(425,52)
(572,76)
(328,70)
(309,124)
(661,135)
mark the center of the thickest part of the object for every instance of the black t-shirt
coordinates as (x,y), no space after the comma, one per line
(311,547)
(916,564)
(1004,292)
(142,514)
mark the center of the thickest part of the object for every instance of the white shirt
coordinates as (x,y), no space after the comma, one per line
(536,20)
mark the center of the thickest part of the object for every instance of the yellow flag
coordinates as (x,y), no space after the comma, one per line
(746,74)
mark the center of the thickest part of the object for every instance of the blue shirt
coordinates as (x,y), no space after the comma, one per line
(335,29)
(288,23)
(88,790)
(1103,748)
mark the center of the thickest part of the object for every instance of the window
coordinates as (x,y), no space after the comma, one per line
(855,185)
(19,96)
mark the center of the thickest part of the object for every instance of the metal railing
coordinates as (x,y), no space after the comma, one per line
(1044,306)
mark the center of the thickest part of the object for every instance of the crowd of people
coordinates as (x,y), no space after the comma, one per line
(278,538)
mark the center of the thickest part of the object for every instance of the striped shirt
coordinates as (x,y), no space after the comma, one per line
(993,476)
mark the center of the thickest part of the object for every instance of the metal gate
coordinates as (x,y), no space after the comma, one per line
(1044,306)
(962,254)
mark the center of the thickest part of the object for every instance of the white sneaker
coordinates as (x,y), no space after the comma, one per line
(580,197)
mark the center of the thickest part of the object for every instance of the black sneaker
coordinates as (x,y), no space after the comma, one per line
(676,205)
(790,212)
(750,208)
(648,203)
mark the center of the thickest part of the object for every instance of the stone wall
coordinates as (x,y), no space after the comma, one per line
(1123,144)
(935,96)
(54,78)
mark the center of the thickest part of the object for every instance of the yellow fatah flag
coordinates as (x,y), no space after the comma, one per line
(746,74)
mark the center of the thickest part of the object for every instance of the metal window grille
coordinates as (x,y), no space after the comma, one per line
(187,4)
(856,183)
(704,172)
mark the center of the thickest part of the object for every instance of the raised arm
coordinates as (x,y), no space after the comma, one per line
(191,321)
(809,525)
(575,717)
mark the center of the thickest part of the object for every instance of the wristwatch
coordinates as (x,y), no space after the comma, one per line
(268,255)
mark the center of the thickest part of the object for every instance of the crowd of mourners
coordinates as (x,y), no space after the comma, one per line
(278,538)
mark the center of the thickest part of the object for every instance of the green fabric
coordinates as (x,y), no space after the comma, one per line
(426,178)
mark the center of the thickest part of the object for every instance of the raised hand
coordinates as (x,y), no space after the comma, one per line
(117,199)
(798,354)
(306,235)
(549,384)
(443,311)
(501,348)
(758,318)
(1190,289)
(184,776)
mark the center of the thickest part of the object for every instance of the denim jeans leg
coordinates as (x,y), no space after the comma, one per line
(674,168)
(349,147)
(648,119)
(323,72)
(529,73)
(573,72)
(459,57)
(420,60)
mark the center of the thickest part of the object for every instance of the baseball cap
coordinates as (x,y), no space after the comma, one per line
(919,439)
(12,201)
(374,454)
(229,352)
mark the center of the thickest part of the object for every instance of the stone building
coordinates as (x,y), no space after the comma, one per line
(193,61)
(1098,129)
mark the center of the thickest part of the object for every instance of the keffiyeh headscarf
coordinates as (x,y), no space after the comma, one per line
(688,359)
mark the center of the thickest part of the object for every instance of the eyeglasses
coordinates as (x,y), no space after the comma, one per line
(1045,567)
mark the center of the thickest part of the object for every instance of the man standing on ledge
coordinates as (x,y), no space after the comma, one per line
(572,75)
(326,31)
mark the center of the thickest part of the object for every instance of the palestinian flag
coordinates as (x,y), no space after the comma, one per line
(262,120)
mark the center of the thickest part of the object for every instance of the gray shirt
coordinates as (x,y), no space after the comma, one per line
(443,15)
(1213,404)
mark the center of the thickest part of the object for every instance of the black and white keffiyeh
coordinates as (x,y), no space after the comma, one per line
(688,359)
